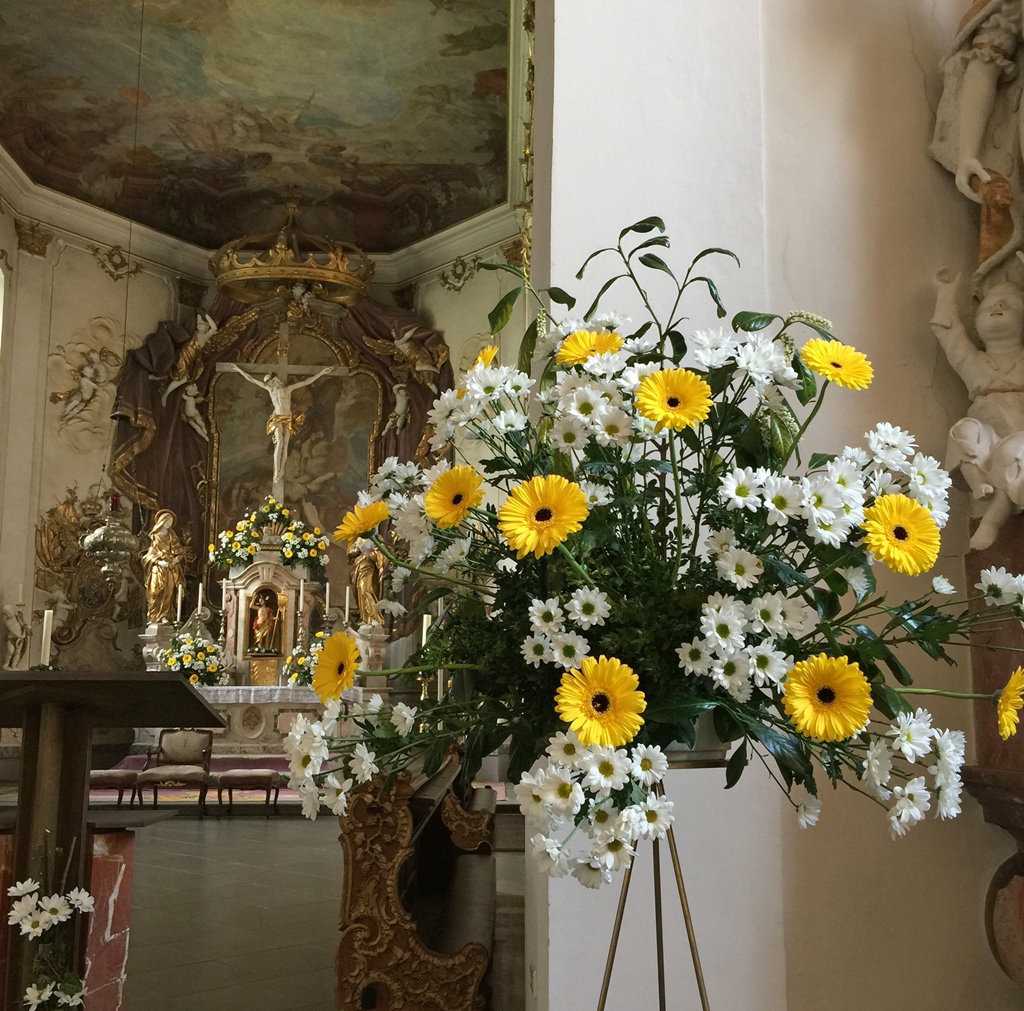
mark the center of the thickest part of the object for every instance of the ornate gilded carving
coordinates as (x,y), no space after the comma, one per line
(460,271)
(470,830)
(32,237)
(379,949)
(412,359)
(514,253)
(114,262)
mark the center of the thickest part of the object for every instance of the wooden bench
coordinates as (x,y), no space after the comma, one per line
(417,912)
(246,779)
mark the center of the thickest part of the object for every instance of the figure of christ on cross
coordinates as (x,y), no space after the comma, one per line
(282,424)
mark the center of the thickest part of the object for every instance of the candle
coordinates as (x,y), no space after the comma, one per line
(44,655)
(179,603)
(199,608)
(21,593)
(327,599)
(348,601)
(425,631)
(224,594)
(302,593)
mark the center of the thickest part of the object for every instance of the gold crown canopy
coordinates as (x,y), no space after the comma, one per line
(258,268)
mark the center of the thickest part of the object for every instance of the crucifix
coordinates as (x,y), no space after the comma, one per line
(282,424)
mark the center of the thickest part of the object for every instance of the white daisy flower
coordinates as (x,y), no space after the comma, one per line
(820,499)
(940,584)
(528,796)
(881,482)
(81,900)
(548,855)
(949,747)
(56,907)
(597,494)
(21,908)
(912,733)
(565,749)
(890,445)
(733,674)
(928,480)
(23,887)
(712,348)
(877,767)
(948,797)
(610,320)
(808,812)
(605,769)
(34,922)
(739,489)
(768,665)
(857,580)
(591,874)
(847,477)
(536,649)
(648,764)
(612,851)
(998,586)
(509,421)
(602,820)
(568,432)
(718,541)
(561,794)
(587,404)
(742,568)
(588,606)
(362,764)
(653,818)
(403,718)
(764,613)
(797,617)
(695,657)
(641,345)
(336,795)
(546,616)
(913,801)
(614,427)
(569,649)
(723,621)
(782,497)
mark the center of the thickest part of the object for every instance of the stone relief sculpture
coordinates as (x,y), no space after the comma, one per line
(18,634)
(190,398)
(188,366)
(164,563)
(987,446)
(977,135)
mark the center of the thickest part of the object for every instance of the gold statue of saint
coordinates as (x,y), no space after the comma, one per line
(263,622)
(164,564)
(366,574)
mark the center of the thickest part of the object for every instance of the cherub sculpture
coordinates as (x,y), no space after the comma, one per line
(413,359)
(189,366)
(988,444)
(18,634)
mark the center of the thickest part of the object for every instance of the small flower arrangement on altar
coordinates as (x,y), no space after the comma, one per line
(270,525)
(200,659)
(299,664)
(54,981)
(644,548)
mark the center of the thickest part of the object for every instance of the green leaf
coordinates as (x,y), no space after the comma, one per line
(784,748)
(819,460)
(657,240)
(678,342)
(499,316)
(898,670)
(888,701)
(750,321)
(528,347)
(668,710)
(713,292)
(709,251)
(785,572)
(646,225)
(655,262)
(808,384)
(737,763)
(726,726)
(503,266)
(561,297)
(781,437)
(597,252)
(826,602)
(604,287)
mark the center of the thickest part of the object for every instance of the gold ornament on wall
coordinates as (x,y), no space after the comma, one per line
(458,273)
(32,237)
(116,263)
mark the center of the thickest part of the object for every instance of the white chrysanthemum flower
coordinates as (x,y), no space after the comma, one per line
(797,617)
(591,874)
(940,584)
(612,851)
(808,812)
(648,764)
(610,320)
(848,479)
(22,907)
(949,747)
(565,749)
(614,427)
(597,494)
(605,769)
(881,482)
(654,817)
(548,855)
(81,900)
(634,375)
(362,763)
(712,348)
(528,796)
(71,998)
(740,489)
(588,606)
(643,344)
(782,497)
(948,797)
(768,665)
(452,557)
(939,510)
(561,794)
(820,499)
(536,649)
(832,531)
(56,907)
(309,795)
(571,325)
(587,404)
(998,586)
(733,674)
(928,480)
(36,996)
(696,657)
(857,580)
(890,445)
(913,801)
(912,733)
(764,613)
(742,568)
(878,767)
(858,455)
(509,421)
(568,432)
(569,649)
(546,616)
(723,621)
(23,888)
(718,541)
(336,794)
(403,718)
(602,820)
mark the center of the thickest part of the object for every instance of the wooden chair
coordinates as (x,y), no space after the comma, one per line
(180,759)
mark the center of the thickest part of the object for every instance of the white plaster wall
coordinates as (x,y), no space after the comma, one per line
(858,220)
(657,110)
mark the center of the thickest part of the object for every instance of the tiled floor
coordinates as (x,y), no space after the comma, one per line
(241,914)
(234,914)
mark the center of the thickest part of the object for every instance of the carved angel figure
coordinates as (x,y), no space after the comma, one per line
(413,359)
(988,445)
(189,366)
(190,412)
(400,415)
(17,637)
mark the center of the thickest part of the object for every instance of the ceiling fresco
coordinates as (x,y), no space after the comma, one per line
(386,119)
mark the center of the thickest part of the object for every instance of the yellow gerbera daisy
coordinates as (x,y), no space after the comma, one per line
(540,513)
(186,658)
(827,698)
(838,363)
(486,356)
(1010,700)
(361,520)
(674,398)
(582,345)
(601,702)
(902,533)
(336,666)
(193,679)
(452,495)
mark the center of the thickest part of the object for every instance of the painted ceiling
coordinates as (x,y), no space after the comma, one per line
(386,119)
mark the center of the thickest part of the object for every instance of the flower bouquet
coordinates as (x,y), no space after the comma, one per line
(270,525)
(299,664)
(200,659)
(643,547)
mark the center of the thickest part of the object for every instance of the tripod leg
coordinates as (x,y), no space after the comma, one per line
(691,937)
(659,934)
(615,935)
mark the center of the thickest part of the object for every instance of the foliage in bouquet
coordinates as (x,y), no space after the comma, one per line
(297,546)
(46,918)
(643,546)
(196,657)
(299,664)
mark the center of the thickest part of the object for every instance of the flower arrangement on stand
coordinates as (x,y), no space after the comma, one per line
(54,981)
(299,664)
(645,545)
(197,657)
(268,526)
(300,546)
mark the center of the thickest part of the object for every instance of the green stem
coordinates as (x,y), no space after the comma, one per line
(993,696)
(804,426)
(678,503)
(581,572)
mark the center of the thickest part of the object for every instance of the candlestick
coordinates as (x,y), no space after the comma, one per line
(425,630)
(302,593)
(199,606)
(327,599)
(348,601)
(21,594)
(224,594)
(44,655)
(180,588)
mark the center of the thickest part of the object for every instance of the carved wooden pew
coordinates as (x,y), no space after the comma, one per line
(417,911)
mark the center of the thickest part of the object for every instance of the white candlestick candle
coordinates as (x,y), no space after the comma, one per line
(224,594)
(199,606)
(327,599)
(44,653)
(302,593)
(180,589)
(426,630)
(348,601)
